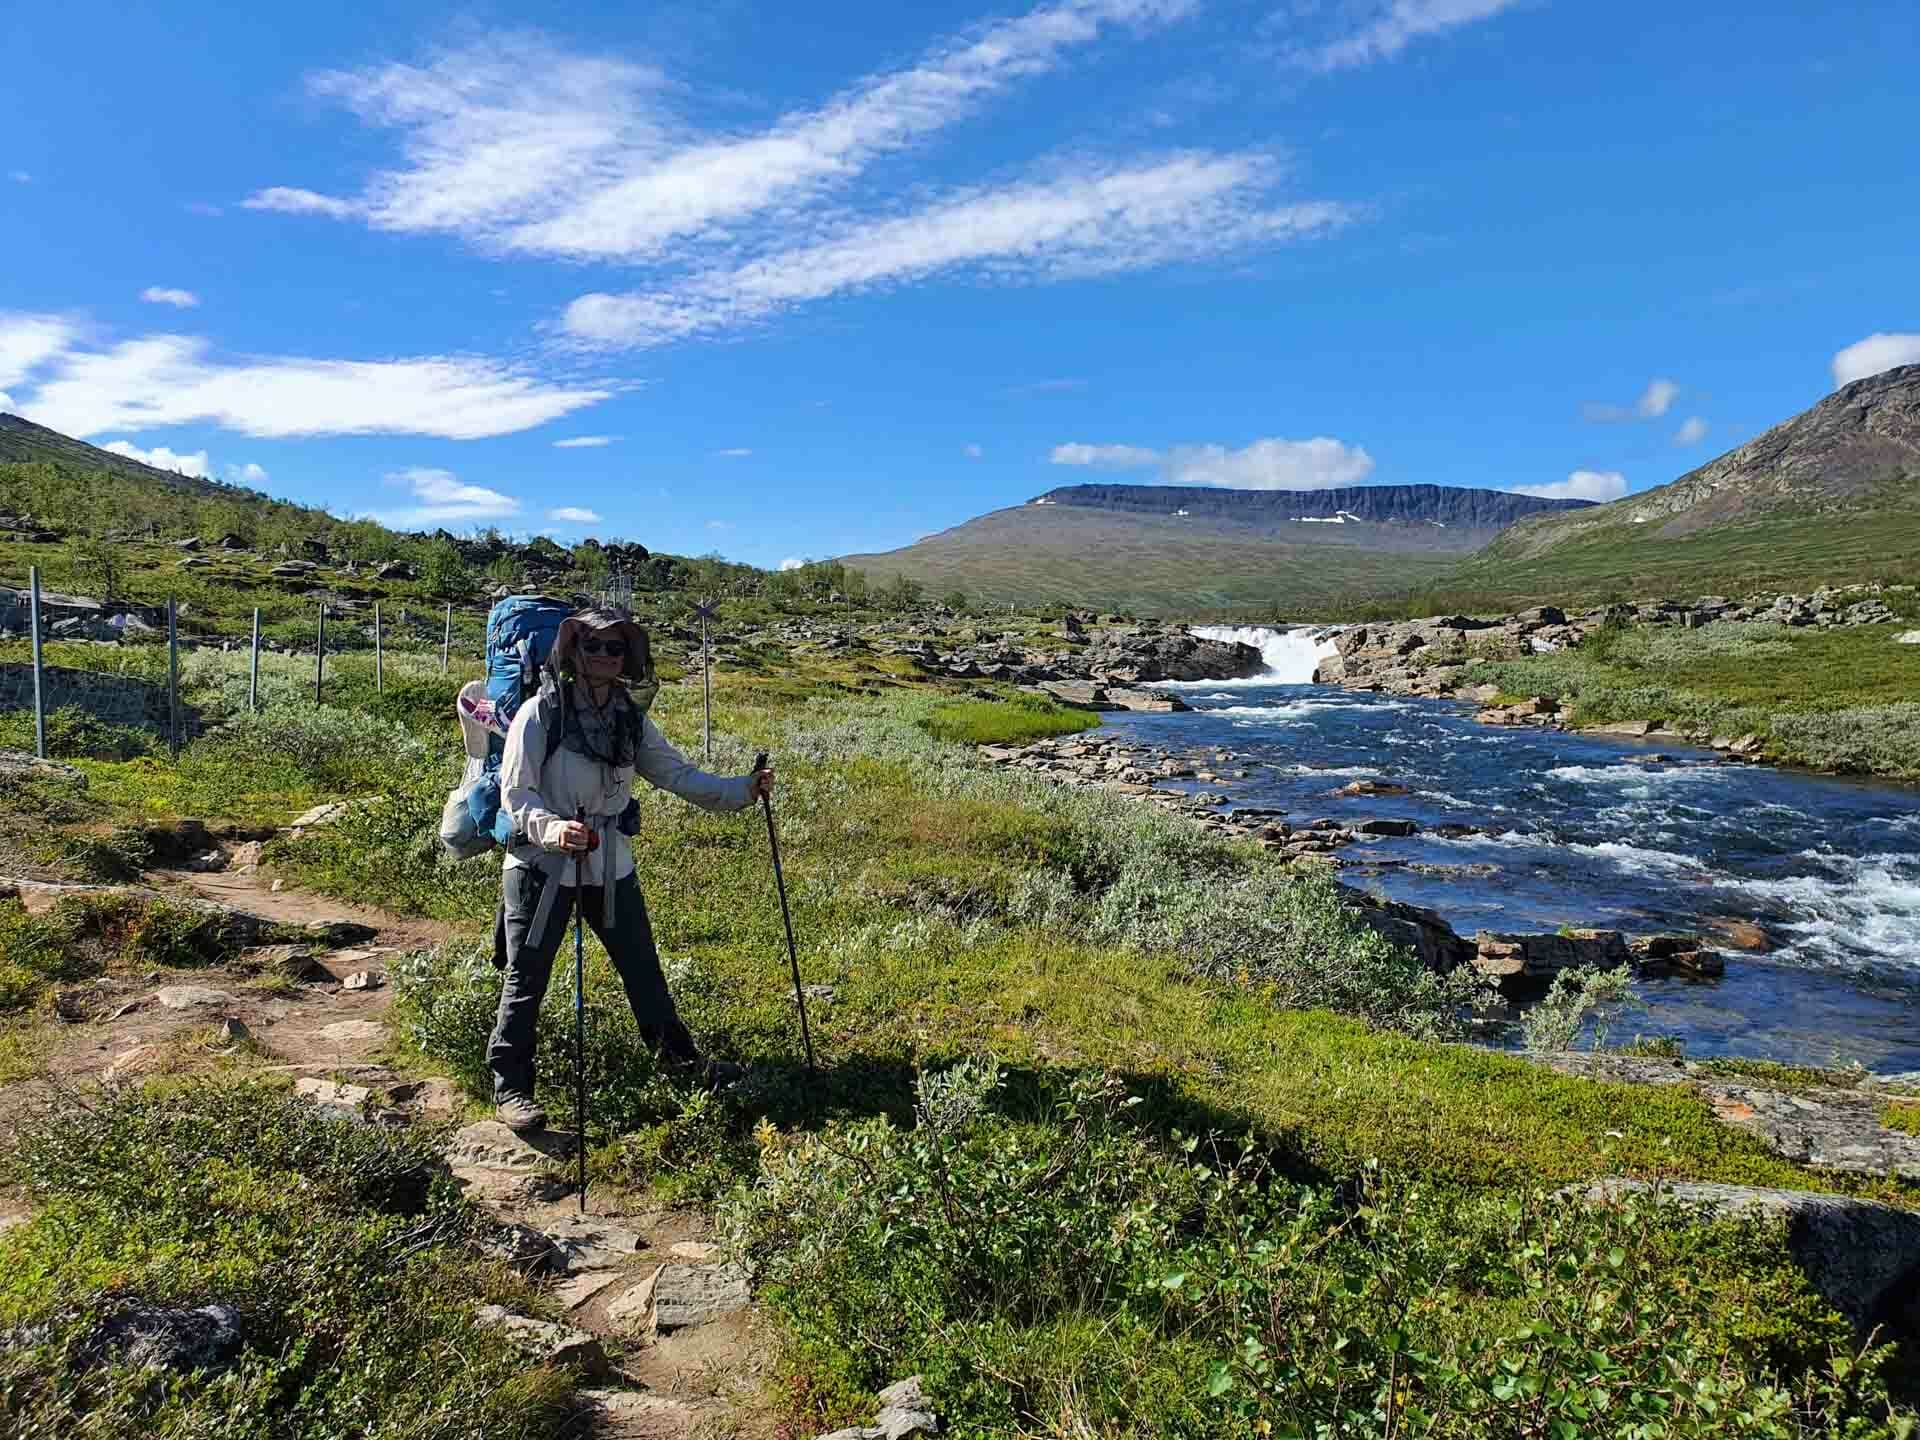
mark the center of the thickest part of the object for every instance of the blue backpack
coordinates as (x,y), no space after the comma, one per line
(520,635)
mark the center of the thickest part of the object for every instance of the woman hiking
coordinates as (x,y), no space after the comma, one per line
(566,782)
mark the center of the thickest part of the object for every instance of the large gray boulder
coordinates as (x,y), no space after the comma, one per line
(1863,1257)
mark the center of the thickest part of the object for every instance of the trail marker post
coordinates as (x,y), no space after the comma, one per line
(379,670)
(253,666)
(39,679)
(173,680)
(706,610)
(320,658)
(446,641)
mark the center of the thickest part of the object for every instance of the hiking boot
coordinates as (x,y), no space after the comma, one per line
(714,1074)
(519,1112)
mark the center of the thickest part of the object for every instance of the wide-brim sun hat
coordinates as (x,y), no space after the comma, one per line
(636,668)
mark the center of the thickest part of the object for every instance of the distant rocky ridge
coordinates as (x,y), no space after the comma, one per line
(1446,507)
(1858,449)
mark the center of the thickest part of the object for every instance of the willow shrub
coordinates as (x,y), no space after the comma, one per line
(1050,1267)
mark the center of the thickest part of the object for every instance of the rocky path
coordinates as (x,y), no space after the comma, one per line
(654,1315)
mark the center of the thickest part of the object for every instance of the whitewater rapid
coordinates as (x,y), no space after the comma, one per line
(1525,830)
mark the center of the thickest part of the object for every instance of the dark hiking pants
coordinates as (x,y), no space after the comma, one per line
(529,966)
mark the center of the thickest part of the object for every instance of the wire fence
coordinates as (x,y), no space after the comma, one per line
(349,619)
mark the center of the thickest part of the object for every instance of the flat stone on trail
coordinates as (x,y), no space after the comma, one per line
(549,1343)
(361,980)
(585,1243)
(191,997)
(1862,1256)
(632,1312)
(328,1092)
(504,1165)
(129,1063)
(693,1250)
(636,1415)
(353,1032)
(694,1294)
(577,1290)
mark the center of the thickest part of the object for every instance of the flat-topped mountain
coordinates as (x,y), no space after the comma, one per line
(1831,494)
(1438,507)
(1171,549)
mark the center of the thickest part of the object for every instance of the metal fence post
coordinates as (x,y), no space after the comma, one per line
(379,671)
(253,669)
(446,641)
(39,680)
(320,658)
(173,680)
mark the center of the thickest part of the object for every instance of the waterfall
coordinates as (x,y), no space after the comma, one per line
(1290,653)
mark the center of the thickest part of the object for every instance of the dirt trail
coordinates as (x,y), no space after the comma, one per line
(288,1009)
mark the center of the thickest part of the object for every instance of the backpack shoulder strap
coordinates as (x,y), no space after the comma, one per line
(553,716)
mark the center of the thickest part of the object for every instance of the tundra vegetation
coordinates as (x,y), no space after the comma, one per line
(1120,1130)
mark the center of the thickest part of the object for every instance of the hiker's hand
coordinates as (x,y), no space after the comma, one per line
(576,837)
(762,784)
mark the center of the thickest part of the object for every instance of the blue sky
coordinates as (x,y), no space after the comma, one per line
(807,280)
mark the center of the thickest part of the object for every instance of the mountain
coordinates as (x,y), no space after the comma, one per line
(1832,494)
(1179,549)
(23,441)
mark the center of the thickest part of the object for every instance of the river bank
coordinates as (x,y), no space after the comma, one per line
(1770,915)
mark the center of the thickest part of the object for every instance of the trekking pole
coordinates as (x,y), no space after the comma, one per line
(580,1009)
(786,916)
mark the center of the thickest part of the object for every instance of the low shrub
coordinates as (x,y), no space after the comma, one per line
(1050,1267)
(1864,740)
(349,1266)
(73,733)
(1578,997)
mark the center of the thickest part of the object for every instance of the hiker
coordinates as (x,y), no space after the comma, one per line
(577,749)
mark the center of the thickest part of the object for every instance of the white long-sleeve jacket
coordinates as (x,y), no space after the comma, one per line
(542,795)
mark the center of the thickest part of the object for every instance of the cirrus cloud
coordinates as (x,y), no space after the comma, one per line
(574,515)
(1692,431)
(161,380)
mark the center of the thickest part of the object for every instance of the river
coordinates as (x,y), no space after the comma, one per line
(1591,831)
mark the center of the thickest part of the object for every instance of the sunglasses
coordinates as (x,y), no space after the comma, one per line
(592,645)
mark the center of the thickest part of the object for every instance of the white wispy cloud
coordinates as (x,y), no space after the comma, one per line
(1269,464)
(1046,387)
(1104,457)
(6,401)
(1096,222)
(584,442)
(519,144)
(972,452)
(737,452)
(1580,485)
(291,200)
(161,458)
(28,341)
(160,380)
(247,474)
(1882,351)
(719,525)
(793,562)
(166,295)
(442,498)
(574,515)
(1391,27)
(1654,402)
(1692,431)
(1656,399)
(20,177)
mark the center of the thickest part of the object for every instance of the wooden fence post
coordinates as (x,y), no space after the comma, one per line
(39,680)
(253,668)
(379,671)
(173,680)
(320,658)
(446,641)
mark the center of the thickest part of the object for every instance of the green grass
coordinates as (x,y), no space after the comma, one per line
(1903,1115)
(353,1272)
(1603,561)
(1212,1120)
(1838,700)
(1004,722)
